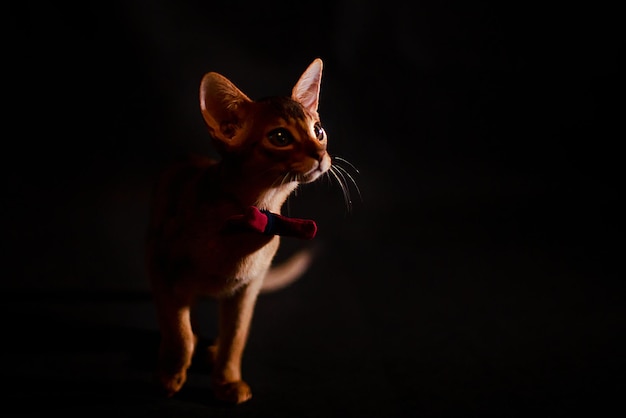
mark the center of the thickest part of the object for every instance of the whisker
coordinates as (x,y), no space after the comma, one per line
(287,178)
(346,193)
(326,177)
(347,162)
(329,178)
(351,179)
(276,184)
(279,181)
(343,180)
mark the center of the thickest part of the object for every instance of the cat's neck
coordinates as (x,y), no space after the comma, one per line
(252,189)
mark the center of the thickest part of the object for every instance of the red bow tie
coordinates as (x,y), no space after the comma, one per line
(268,223)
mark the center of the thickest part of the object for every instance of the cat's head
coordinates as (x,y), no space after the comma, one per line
(277,137)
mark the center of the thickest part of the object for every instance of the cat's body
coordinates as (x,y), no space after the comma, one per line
(268,148)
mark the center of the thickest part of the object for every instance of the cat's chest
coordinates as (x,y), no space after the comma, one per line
(215,256)
(193,239)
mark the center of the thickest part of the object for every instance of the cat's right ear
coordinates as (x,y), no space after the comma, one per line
(307,89)
(223,108)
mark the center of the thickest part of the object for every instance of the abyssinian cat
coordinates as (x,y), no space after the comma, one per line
(215,225)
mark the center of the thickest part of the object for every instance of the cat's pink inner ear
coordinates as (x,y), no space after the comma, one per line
(307,89)
(222,105)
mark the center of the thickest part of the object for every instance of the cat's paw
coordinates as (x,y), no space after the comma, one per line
(171,384)
(232,392)
(174,360)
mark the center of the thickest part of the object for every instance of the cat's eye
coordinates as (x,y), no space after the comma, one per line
(280,137)
(319,131)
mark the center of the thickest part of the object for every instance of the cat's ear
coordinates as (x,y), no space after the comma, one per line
(223,108)
(307,89)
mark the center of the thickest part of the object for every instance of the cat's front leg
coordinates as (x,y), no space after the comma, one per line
(235,315)
(177,342)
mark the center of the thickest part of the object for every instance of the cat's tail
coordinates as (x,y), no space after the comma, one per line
(287,272)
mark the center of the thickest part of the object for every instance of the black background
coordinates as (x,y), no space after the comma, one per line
(477,275)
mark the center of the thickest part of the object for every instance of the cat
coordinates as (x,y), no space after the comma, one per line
(209,232)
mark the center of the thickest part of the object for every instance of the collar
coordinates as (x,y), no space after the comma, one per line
(269,223)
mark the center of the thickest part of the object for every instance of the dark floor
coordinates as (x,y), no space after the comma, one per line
(479,273)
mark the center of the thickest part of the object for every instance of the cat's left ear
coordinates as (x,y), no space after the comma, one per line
(307,89)
(223,107)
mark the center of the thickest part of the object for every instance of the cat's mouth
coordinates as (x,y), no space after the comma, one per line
(310,176)
(314,173)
